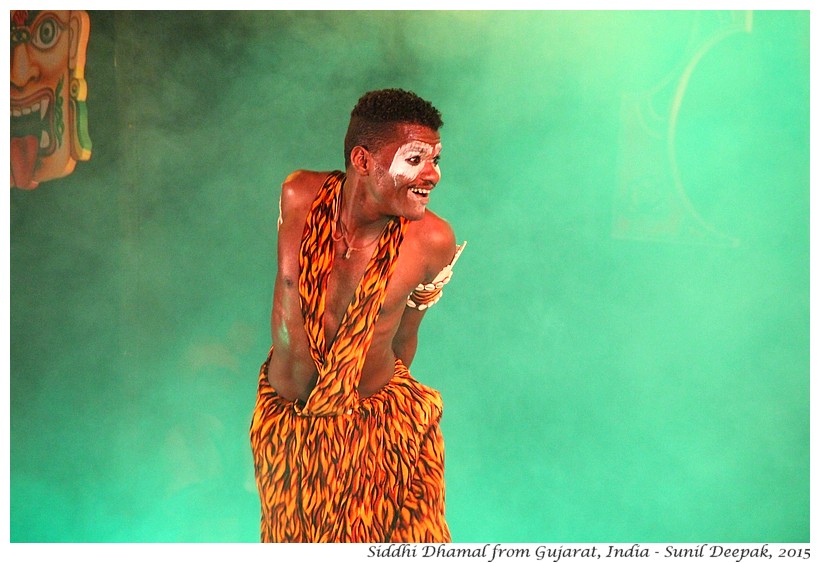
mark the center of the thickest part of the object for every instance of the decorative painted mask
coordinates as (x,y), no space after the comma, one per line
(49,120)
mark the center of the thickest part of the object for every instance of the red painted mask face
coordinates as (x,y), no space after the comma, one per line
(48,91)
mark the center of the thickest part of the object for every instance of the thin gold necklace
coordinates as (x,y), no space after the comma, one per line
(342,229)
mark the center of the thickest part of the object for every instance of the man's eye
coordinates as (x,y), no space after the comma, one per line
(436,160)
(414,160)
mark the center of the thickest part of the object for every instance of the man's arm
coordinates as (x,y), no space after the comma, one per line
(441,247)
(295,196)
(407,336)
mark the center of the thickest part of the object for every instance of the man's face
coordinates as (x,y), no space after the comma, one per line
(407,170)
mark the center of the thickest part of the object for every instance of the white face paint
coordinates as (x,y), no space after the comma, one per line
(409,160)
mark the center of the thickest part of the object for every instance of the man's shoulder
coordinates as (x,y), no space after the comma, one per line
(301,186)
(436,236)
(302,180)
(436,228)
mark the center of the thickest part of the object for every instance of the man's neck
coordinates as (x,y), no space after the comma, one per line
(358,213)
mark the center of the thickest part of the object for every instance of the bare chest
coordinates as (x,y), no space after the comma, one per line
(345,281)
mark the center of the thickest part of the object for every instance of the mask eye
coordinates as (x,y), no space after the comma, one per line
(46,34)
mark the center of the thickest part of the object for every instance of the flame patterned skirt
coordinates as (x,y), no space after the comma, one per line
(372,474)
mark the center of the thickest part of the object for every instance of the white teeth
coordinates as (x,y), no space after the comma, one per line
(420,191)
(41,107)
(45,140)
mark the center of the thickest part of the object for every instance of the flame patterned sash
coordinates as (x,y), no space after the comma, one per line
(340,363)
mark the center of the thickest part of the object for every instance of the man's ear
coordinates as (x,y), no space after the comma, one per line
(361,160)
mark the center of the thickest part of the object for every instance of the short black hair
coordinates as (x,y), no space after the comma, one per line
(377,112)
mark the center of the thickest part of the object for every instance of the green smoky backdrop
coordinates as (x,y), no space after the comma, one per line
(623,351)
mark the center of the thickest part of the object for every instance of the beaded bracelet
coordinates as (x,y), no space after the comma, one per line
(427,294)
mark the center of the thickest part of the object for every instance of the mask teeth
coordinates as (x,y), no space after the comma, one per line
(40,107)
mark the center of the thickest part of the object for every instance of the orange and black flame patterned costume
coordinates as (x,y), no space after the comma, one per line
(338,468)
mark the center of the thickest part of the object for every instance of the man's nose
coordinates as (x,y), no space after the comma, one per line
(431,173)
